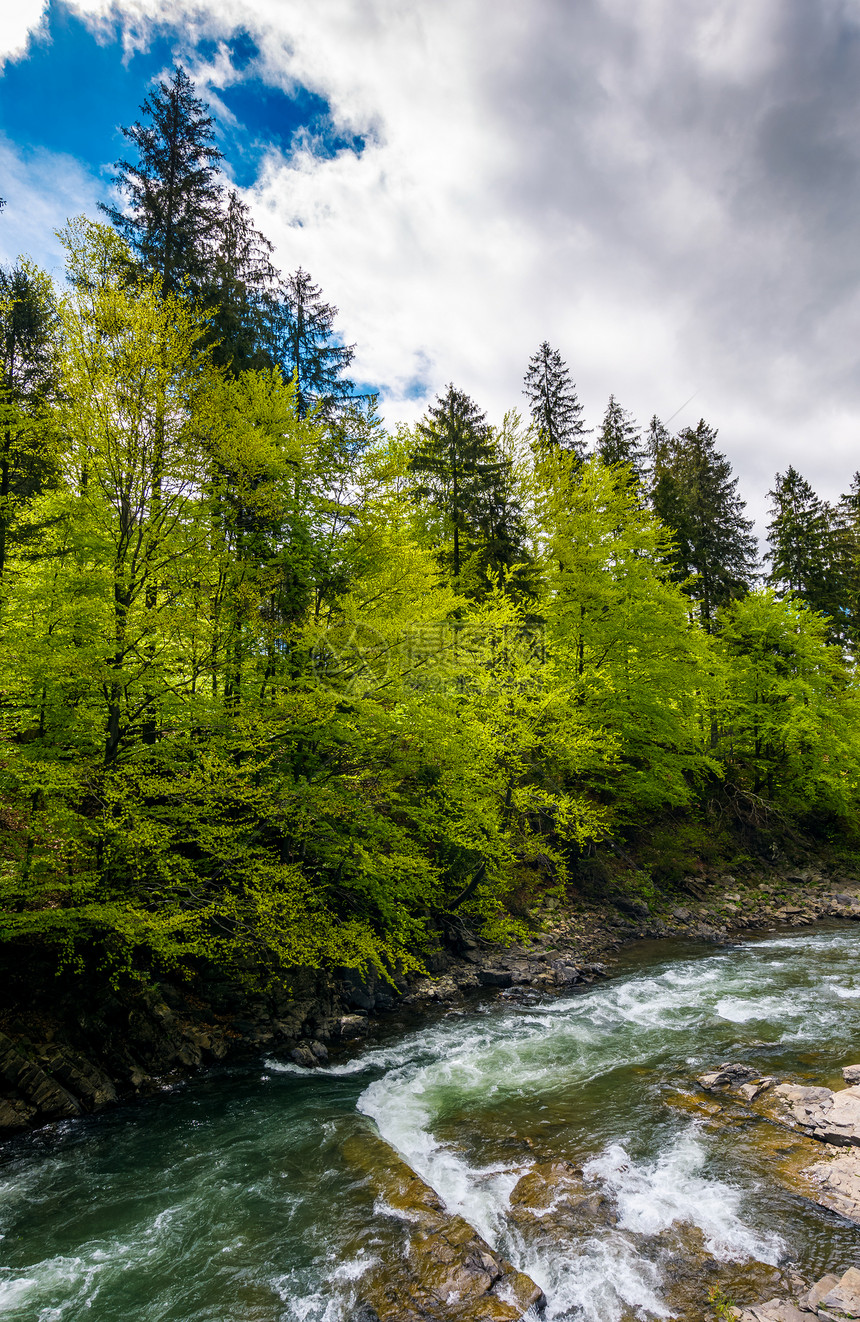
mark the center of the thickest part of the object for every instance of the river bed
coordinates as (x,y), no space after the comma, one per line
(237,1197)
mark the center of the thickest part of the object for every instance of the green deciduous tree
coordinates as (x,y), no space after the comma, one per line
(624,647)
(789,717)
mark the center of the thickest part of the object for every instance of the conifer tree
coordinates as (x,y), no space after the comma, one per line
(618,440)
(304,344)
(553,402)
(241,290)
(171,194)
(695,495)
(845,541)
(454,462)
(28,360)
(800,537)
(499,538)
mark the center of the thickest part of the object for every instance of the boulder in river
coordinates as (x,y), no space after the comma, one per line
(446,1270)
(851,1073)
(838,1184)
(843,1300)
(832,1117)
(302,1055)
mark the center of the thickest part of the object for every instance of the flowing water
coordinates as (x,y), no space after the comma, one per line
(235,1198)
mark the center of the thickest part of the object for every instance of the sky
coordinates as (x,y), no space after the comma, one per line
(667,191)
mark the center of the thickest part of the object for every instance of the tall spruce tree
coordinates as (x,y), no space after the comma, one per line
(241,290)
(454,462)
(694,493)
(303,343)
(845,542)
(171,215)
(28,368)
(553,402)
(618,440)
(801,541)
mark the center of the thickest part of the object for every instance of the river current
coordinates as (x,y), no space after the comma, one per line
(235,1197)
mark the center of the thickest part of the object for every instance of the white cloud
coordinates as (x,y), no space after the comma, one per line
(19,20)
(667,191)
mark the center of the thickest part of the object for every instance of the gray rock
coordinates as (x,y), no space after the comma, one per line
(851,1073)
(844,1298)
(776,1310)
(48,1097)
(816,1293)
(319,1050)
(633,908)
(832,1117)
(303,1056)
(351,1026)
(838,1184)
(727,1075)
(495,977)
(14,1115)
(79,1076)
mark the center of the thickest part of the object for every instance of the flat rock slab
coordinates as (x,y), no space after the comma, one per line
(844,1299)
(836,1184)
(447,1271)
(775,1310)
(832,1117)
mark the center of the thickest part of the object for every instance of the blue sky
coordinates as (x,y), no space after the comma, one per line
(74,90)
(665,191)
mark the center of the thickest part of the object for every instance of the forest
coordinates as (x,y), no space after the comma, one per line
(280,687)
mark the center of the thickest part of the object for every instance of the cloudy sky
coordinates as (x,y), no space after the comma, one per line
(667,191)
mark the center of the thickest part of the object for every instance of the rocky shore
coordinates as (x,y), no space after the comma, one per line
(823,1166)
(68,1049)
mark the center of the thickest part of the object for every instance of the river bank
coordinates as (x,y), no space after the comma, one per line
(69,1048)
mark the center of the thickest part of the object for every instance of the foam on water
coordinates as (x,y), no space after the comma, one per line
(570,1043)
(650,1197)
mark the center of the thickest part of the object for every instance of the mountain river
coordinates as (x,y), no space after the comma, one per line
(234,1198)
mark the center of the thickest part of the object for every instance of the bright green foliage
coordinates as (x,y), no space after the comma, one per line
(624,648)
(790,713)
(245,716)
(280,689)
